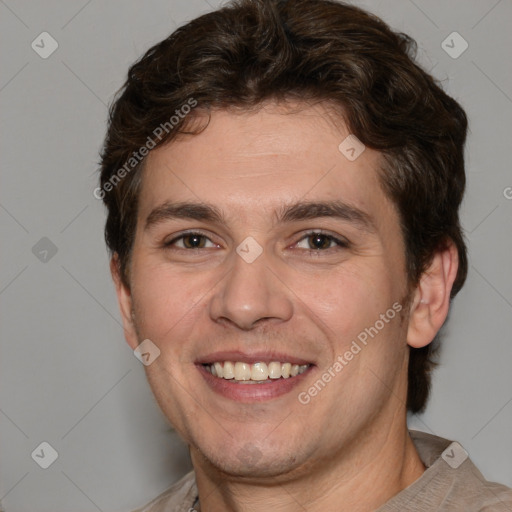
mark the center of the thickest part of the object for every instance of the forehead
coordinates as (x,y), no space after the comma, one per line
(251,163)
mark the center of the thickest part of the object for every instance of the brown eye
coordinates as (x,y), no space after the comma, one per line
(194,241)
(319,241)
(189,241)
(316,241)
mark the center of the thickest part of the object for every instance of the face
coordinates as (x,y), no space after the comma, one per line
(259,241)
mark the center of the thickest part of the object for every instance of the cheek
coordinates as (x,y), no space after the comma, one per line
(165,301)
(348,300)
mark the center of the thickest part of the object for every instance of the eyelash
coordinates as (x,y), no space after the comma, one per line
(342,244)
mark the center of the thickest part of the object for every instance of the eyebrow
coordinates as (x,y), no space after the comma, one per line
(293,212)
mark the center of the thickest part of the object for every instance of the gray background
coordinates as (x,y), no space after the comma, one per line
(67,375)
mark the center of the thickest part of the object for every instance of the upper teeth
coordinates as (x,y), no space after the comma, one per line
(255,372)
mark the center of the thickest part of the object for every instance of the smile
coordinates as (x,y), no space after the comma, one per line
(270,375)
(259,372)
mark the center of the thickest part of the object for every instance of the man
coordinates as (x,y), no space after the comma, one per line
(283,184)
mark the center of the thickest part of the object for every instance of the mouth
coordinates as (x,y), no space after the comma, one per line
(257,373)
(252,378)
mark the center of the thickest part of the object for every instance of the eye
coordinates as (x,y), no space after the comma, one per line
(189,240)
(313,242)
(317,241)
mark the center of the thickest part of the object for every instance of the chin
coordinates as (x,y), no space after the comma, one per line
(248,461)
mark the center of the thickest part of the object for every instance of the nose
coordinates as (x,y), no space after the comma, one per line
(250,293)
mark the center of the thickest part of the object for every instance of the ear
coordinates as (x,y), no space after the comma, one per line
(124,299)
(431,299)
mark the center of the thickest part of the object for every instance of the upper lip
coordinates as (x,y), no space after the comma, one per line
(250,357)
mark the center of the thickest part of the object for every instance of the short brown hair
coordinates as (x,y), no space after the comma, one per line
(251,51)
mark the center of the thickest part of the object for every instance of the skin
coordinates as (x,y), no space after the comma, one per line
(348,448)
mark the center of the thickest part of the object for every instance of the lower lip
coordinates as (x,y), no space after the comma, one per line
(233,390)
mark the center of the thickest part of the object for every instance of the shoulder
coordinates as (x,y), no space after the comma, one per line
(179,497)
(498,498)
(450,483)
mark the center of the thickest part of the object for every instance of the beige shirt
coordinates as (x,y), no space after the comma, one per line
(451,483)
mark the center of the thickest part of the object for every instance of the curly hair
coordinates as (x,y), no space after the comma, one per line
(251,51)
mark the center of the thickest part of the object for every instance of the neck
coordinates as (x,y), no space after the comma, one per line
(360,478)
